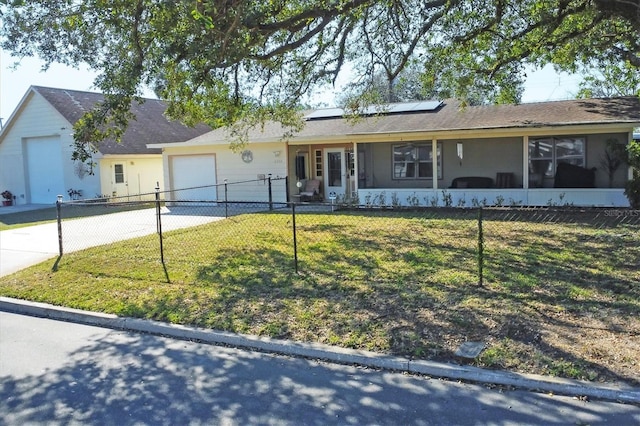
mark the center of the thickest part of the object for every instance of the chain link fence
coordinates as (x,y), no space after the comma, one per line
(266,189)
(519,246)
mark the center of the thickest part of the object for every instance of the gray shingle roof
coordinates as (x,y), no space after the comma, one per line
(451,117)
(150,125)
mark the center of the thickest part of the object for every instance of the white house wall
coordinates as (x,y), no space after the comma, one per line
(268,158)
(142,174)
(37,119)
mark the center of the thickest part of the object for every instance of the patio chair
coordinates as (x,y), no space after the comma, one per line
(311,191)
(505,180)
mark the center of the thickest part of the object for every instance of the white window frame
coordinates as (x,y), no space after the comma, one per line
(415,161)
(553,156)
(116,174)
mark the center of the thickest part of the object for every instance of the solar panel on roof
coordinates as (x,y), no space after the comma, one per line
(420,106)
(325,113)
(415,106)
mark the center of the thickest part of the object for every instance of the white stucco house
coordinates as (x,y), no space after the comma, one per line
(36,147)
(535,154)
(205,162)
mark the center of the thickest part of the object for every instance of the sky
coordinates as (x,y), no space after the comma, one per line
(541,85)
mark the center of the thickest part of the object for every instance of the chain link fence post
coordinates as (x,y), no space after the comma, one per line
(226,199)
(286,188)
(295,236)
(59,218)
(480,249)
(159,221)
(270,194)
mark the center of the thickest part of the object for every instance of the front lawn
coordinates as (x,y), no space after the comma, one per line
(558,298)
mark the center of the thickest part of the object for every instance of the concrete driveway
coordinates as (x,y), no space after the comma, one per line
(28,246)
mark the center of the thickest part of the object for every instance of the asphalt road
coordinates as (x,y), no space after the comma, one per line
(55,372)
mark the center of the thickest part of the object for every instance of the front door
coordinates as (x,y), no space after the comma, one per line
(335,173)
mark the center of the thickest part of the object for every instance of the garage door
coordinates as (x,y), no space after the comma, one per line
(44,169)
(192,177)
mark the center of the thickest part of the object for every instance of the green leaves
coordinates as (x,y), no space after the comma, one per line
(224,62)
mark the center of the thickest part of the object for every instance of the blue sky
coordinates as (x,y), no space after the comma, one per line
(542,85)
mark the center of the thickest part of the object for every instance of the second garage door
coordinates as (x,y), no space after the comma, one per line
(44,165)
(192,177)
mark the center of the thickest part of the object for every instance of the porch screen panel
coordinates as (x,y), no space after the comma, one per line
(403,161)
(301,167)
(541,156)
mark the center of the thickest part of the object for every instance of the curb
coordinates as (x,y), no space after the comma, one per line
(617,393)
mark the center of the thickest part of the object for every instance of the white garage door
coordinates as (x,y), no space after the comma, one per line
(191,177)
(44,168)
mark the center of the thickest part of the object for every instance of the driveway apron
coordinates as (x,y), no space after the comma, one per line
(28,246)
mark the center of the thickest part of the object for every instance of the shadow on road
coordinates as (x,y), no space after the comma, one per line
(120,378)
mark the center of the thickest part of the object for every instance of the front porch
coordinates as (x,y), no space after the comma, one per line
(562,169)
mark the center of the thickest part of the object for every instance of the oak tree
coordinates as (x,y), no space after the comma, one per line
(240,62)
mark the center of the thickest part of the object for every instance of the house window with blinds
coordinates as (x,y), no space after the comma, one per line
(546,153)
(415,161)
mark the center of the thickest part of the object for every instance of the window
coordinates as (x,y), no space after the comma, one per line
(301,166)
(118,173)
(415,161)
(334,168)
(351,163)
(546,153)
(318,163)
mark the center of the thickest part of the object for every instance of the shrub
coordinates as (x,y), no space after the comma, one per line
(632,188)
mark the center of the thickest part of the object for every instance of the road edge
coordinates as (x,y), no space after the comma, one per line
(553,385)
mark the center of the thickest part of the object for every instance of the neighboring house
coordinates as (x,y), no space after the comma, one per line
(427,152)
(36,147)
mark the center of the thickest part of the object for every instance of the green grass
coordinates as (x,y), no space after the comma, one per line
(392,282)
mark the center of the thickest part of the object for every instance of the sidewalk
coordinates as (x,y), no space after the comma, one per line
(559,386)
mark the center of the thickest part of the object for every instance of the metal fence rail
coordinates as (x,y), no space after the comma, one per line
(267,189)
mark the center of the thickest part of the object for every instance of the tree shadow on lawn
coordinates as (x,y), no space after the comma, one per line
(360,302)
(29,216)
(406,293)
(569,267)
